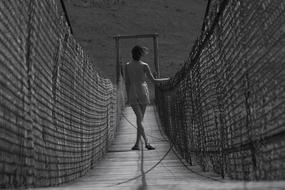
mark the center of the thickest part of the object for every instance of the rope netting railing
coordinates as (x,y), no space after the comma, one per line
(225,109)
(57,114)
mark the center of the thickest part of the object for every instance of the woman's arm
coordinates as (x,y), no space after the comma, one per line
(151,77)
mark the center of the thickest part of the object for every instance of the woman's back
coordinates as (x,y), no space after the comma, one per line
(136,72)
(136,83)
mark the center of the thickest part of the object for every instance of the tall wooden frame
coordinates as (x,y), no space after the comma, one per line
(155,49)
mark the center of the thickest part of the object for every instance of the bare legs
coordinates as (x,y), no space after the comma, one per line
(140,111)
(143,108)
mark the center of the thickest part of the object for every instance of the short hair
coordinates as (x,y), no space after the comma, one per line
(138,52)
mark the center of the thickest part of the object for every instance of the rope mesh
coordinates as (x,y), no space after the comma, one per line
(57,114)
(225,108)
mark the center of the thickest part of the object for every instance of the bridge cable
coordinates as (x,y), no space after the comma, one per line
(150,169)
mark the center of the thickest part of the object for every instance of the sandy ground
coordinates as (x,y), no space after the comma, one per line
(95,22)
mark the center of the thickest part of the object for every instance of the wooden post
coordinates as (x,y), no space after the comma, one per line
(155,49)
(118,66)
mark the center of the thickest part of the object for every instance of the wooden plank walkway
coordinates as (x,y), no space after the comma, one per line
(123,169)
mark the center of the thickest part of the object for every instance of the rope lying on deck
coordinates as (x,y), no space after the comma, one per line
(225,108)
(57,114)
(171,148)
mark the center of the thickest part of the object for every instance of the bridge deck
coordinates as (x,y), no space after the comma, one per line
(120,165)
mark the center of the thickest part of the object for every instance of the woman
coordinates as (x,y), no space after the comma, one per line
(138,94)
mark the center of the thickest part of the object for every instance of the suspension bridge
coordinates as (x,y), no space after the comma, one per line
(217,124)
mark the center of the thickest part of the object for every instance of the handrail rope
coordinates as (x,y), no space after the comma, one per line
(149,170)
(163,157)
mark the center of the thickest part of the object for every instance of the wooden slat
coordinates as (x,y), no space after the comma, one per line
(121,164)
(136,36)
